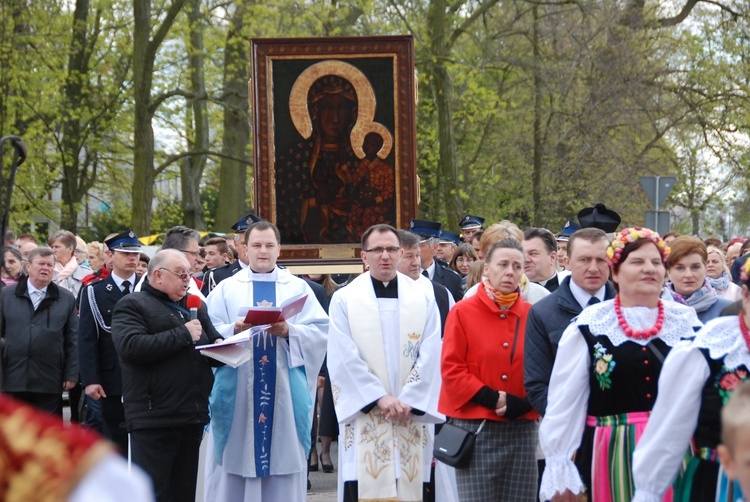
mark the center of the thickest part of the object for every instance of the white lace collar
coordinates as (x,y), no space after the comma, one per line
(601,319)
(722,337)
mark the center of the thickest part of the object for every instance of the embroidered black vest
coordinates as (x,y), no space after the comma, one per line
(622,379)
(715,394)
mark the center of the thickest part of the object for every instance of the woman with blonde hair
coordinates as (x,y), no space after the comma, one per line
(95,251)
(718,275)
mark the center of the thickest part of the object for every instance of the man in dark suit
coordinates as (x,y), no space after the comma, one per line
(217,263)
(214,277)
(410,264)
(435,270)
(100,366)
(586,285)
(540,258)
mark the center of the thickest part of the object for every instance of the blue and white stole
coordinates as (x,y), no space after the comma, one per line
(264,386)
(264,381)
(222,399)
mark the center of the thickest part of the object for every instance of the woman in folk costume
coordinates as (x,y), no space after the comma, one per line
(697,380)
(482,369)
(604,381)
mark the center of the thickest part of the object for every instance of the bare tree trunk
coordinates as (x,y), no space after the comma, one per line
(442,93)
(536,174)
(71,144)
(232,173)
(144,53)
(192,167)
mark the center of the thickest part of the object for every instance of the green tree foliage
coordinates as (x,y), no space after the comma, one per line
(528,110)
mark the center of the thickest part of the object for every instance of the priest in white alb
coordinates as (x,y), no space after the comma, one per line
(384,364)
(261,412)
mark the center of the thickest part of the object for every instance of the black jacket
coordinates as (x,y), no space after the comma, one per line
(165,381)
(547,320)
(218,274)
(736,269)
(441,298)
(449,278)
(39,352)
(96,351)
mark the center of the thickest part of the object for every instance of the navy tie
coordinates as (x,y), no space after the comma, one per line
(593,301)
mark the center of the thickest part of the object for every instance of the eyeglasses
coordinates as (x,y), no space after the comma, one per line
(194,253)
(183,276)
(379,250)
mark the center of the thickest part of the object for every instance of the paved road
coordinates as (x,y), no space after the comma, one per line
(323,484)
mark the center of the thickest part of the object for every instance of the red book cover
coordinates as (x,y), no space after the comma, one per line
(270,315)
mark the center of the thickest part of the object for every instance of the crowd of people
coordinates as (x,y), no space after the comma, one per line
(589,364)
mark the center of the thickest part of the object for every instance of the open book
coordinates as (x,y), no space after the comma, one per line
(270,315)
(228,352)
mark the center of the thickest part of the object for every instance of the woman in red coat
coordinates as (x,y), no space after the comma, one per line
(482,369)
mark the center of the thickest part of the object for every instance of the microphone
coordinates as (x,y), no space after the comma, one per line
(193,303)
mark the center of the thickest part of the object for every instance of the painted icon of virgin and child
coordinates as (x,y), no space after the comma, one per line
(334,183)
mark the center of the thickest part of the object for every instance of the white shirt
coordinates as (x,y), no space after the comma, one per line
(430,270)
(582,296)
(119,280)
(36,295)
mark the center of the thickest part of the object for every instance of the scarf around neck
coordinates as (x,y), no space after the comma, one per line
(502,300)
(721,283)
(701,300)
(63,272)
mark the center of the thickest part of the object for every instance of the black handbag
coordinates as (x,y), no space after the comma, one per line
(454,445)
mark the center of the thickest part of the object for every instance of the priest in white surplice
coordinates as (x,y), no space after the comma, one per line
(384,365)
(261,412)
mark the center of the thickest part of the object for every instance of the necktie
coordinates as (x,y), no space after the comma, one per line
(38,297)
(126,287)
(424,273)
(593,301)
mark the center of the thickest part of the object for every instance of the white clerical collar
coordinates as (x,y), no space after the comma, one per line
(582,296)
(544,282)
(271,276)
(431,270)
(119,280)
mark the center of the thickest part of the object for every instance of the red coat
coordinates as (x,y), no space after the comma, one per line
(477,350)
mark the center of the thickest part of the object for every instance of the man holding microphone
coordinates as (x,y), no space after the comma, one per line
(165,381)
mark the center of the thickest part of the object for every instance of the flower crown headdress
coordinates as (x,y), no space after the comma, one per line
(628,235)
(745,273)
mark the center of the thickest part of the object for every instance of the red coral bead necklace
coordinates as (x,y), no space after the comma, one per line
(640,334)
(744,330)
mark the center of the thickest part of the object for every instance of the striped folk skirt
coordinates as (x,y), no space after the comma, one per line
(703,479)
(503,466)
(613,439)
